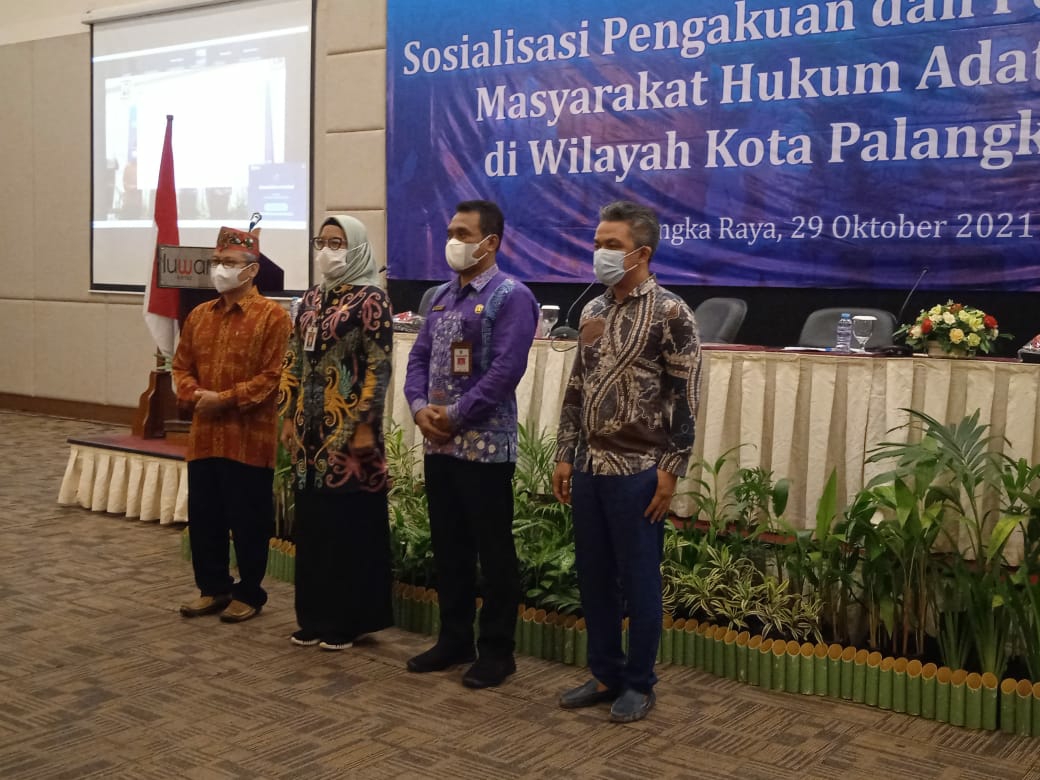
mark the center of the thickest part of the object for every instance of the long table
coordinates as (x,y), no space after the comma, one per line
(801,415)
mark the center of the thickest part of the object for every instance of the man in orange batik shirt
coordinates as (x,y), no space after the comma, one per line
(226,368)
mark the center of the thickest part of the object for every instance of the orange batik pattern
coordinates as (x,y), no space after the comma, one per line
(236,351)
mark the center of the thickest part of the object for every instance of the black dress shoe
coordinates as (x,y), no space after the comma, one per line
(586,695)
(631,706)
(489,672)
(440,657)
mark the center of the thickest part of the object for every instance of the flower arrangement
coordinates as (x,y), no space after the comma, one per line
(955,328)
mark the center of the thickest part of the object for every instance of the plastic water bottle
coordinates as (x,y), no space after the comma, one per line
(843,334)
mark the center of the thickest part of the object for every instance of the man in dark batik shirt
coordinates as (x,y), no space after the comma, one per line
(625,437)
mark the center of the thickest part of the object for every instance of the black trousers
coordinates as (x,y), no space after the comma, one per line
(227,496)
(471,519)
(343,569)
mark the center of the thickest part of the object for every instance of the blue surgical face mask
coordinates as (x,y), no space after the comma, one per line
(609,265)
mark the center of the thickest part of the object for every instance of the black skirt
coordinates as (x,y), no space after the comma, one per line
(343,568)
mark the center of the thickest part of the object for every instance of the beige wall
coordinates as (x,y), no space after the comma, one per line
(60,340)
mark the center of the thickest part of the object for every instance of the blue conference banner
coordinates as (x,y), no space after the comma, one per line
(827,144)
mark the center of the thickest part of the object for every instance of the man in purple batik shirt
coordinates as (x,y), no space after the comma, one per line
(463,371)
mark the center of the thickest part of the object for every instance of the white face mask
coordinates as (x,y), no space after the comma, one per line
(460,256)
(226,279)
(342,263)
(609,265)
(332,262)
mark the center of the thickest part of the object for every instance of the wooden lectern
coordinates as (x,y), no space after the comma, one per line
(156,404)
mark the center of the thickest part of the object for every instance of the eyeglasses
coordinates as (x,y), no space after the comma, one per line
(334,244)
(217,262)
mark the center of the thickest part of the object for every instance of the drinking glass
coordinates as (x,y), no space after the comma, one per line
(862,329)
(550,315)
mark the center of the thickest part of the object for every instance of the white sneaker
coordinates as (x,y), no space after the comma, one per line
(302,639)
(333,645)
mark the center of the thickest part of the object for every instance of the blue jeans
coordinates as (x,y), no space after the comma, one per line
(619,571)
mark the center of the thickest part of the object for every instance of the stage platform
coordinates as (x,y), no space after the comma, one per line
(126,475)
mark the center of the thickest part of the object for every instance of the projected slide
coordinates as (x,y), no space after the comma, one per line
(238,88)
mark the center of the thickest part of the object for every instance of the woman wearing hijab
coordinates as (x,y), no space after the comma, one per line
(334,382)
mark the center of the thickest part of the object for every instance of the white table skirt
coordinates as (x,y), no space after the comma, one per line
(138,486)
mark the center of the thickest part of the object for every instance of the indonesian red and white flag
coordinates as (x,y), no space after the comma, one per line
(162,304)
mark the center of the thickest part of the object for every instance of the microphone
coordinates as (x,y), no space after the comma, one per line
(902,309)
(565,331)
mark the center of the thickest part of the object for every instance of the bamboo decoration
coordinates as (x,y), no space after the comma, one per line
(859,676)
(848,656)
(989,701)
(942,694)
(569,639)
(1008,696)
(742,656)
(679,642)
(958,697)
(1023,708)
(779,665)
(557,636)
(554,637)
(275,558)
(972,701)
(281,569)
(765,664)
(833,667)
(407,607)
(414,596)
(754,645)
(870,695)
(706,654)
(807,669)
(527,637)
(718,650)
(690,642)
(913,687)
(1035,715)
(420,617)
(899,685)
(792,677)
(929,686)
(664,644)
(885,674)
(729,653)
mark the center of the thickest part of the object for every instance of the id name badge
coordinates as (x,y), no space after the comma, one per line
(461,358)
(310,338)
